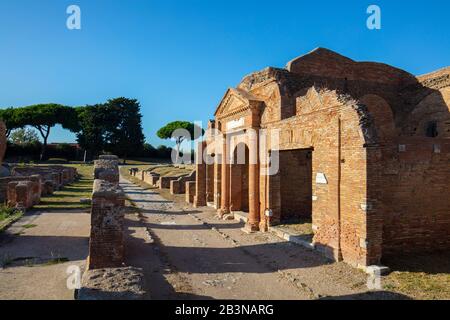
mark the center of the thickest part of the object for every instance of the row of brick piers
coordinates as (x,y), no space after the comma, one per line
(214,190)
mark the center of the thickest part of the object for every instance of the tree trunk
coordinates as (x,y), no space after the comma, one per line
(45,132)
(43,150)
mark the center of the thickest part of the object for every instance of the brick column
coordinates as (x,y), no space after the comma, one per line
(217,182)
(253,184)
(210,182)
(225,180)
(200,186)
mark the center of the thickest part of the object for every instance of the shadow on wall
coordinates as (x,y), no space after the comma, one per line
(429,263)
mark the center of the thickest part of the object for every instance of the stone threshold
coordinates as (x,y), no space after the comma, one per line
(374,270)
(240,216)
(283,234)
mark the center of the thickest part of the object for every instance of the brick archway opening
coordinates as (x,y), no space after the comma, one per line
(296,186)
(239,179)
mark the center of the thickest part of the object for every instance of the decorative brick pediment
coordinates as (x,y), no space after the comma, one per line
(235,101)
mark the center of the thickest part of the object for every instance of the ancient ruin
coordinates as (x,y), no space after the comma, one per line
(106,246)
(22,186)
(363,149)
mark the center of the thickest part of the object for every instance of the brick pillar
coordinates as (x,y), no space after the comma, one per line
(253,184)
(190,191)
(200,186)
(106,246)
(210,183)
(217,182)
(225,180)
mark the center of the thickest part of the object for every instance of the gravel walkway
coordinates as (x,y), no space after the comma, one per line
(190,254)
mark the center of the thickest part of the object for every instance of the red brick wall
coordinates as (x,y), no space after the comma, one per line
(415,201)
(376,200)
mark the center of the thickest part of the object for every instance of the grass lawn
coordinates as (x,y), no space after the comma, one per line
(69,197)
(8,216)
(302,227)
(144,161)
(425,277)
(167,170)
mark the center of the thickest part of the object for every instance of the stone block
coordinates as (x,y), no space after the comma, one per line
(190,191)
(20,194)
(113,284)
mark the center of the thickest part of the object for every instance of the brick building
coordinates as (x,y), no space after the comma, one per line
(364,151)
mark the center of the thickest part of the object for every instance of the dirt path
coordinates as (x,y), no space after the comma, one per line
(188,253)
(36,252)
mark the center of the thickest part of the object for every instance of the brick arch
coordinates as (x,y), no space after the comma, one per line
(383,117)
(435,107)
(274,107)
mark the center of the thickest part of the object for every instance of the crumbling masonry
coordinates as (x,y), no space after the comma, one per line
(106,246)
(364,151)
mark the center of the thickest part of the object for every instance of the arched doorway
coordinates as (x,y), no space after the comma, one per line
(239,179)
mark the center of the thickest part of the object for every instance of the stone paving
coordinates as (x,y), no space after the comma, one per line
(188,253)
(36,251)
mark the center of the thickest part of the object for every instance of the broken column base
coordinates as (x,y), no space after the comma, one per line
(375,270)
(250,228)
(112,284)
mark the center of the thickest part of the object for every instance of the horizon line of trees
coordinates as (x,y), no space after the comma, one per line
(111,127)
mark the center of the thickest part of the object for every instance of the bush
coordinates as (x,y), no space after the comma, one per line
(31,152)
(64,151)
(162,152)
(23,153)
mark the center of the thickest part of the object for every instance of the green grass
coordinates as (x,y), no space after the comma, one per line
(69,197)
(168,170)
(424,277)
(56,261)
(8,216)
(144,161)
(29,226)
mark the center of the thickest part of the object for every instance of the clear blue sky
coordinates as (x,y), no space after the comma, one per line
(179,57)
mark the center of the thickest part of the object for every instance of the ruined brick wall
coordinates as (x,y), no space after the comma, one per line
(380,151)
(106,246)
(20,194)
(8,195)
(164,182)
(179,186)
(58,175)
(330,125)
(414,183)
(107,168)
(190,191)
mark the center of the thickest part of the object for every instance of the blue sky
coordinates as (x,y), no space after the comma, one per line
(179,57)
